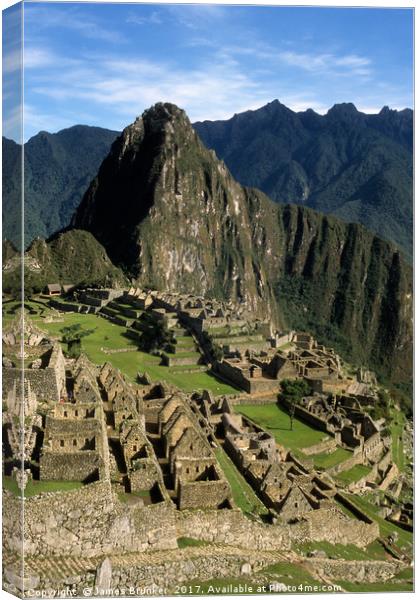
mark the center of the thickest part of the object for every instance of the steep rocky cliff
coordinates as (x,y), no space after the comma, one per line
(169,211)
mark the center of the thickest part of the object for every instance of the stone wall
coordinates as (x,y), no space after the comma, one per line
(86,522)
(172,360)
(74,466)
(47,383)
(390,475)
(176,570)
(203,494)
(154,575)
(368,571)
(328,446)
(353,508)
(64,306)
(266,399)
(332,525)
(57,365)
(232,527)
(43,382)
(308,417)
(385,461)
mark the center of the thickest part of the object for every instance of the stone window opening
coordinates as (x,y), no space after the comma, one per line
(74,442)
(65,413)
(62,443)
(76,413)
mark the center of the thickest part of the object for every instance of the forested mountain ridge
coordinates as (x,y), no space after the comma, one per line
(57,171)
(356,166)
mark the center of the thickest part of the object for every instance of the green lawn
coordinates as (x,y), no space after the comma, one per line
(397,426)
(10,309)
(392,585)
(326,461)
(243,494)
(290,574)
(186,542)
(375,550)
(353,474)
(37,487)
(276,421)
(111,336)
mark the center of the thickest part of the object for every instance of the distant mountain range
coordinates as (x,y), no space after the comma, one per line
(58,170)
(356,166)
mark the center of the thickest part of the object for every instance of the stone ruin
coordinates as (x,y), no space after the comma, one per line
(144,457)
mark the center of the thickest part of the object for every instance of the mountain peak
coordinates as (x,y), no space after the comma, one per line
(163,119)
(163,112)
(343,109)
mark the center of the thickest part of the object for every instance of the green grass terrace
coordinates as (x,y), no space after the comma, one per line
(352,475)
(244,496)
(405,538)
(33,488)
(276,421)
(108,336)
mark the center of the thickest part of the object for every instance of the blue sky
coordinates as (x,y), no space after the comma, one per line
(102,64)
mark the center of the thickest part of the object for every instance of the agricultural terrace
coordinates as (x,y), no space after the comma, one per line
(397,426)
(243,494)
(276,421)
(386,528)
(34,487)
(108,336)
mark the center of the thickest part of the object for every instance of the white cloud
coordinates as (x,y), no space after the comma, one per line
(130,86)
(12,61)
(350,64)
(198,16)
(154,19)
(38,57)
(49,17)
(12,123)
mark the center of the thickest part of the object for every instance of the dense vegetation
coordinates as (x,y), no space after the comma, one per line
(157,336)
(355,166)
(72,335)
(292,391)
(58,170)
(73,257)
